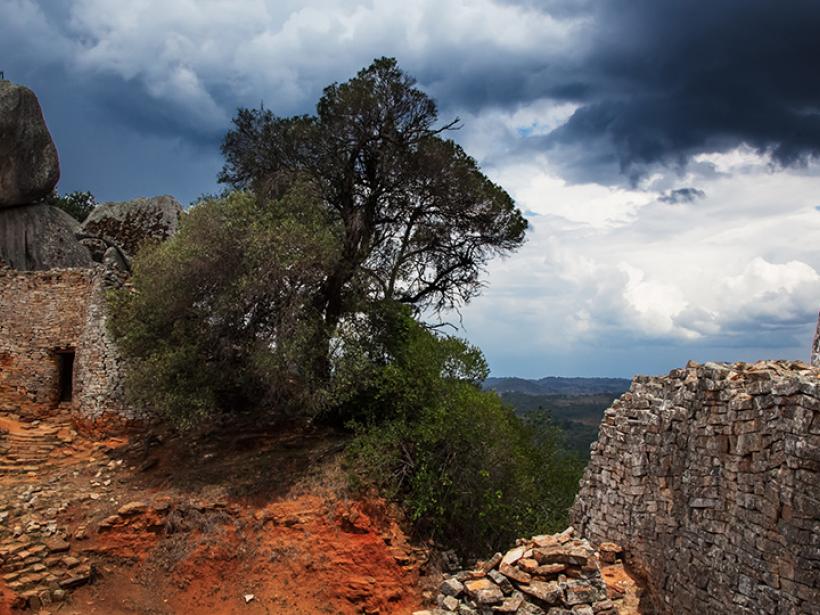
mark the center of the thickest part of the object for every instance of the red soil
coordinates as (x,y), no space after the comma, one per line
(299,556)
(256,522)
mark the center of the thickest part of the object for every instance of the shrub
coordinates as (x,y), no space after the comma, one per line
(468,471)
(395,368)
(219,318)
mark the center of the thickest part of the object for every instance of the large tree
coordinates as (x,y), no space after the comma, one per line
(417,219)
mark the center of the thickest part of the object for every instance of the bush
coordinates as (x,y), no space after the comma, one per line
(470,474)
(219,319)
(395,368)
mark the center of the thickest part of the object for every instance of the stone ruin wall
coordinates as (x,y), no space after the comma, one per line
(710,479)
(45,311)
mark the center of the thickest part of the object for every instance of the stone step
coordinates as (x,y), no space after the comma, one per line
(24,449)
(23,469)
(29,443)
(32,453)
(32,433)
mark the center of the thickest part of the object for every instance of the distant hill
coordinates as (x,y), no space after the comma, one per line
(552,385)
(573,404)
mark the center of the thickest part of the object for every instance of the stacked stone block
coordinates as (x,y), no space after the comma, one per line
(709,478)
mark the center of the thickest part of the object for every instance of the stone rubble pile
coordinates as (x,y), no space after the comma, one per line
(555,574)
(710,479)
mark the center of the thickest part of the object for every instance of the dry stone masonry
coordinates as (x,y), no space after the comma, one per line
(45,315)
(545,575)
(709,478)
(36,561)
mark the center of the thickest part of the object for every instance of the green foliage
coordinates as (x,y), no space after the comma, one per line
(403,368)
(219,318)
(77,204)
(469,472)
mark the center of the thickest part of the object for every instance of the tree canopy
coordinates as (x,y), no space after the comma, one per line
(418,220)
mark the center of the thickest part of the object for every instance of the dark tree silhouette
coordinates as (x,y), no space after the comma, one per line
(417,219)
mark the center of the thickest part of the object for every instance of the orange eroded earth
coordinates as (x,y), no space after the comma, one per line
(304,555)
(251,522)
(152,522)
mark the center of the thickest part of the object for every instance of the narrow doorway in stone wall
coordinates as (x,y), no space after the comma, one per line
(65,365)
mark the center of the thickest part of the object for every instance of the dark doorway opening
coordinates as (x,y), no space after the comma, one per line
(65,364)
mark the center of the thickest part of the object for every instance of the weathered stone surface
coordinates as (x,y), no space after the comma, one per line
(452,587)
(29,168)
(513,572)
(511,604)
(130,224)
(450,603)
(39,237)
(548,592)
(491,563)
(815,346)
(503,582)
(132,508)
(513,555)
(709,480)
(113,259)
(610,551)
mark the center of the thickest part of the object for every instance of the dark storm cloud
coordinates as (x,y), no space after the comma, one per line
(681,195)
(665,80)
(112,138)
(658,81)
(655,81)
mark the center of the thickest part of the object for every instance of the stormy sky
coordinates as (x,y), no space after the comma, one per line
(666,152)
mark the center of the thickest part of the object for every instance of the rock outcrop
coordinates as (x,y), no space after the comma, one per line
(710,479)
(38,237)
(32,236)
(29,167)
(129,224)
